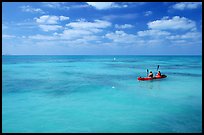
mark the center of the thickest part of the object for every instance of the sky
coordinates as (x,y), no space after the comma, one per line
(102,28)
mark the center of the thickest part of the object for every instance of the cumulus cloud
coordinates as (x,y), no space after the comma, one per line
(50,27)
(49,23)
(159,33)
(95,26)
(133,39)
(101,5)
(188,35)
(186,5)
(8,36)
(42,37)
(175,23)
(80,6)
(163,31)
(28,8)
(69,36)
(153,33)
(50,19)
(46,19)
(154,37)
(82,29)
(52,4)
(106,5)
(86,25)
(121,37)
(123,26)
(62,18)
(148,13)
(55,5)
(122,16)
(74,33)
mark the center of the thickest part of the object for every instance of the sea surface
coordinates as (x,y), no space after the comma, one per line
(101,94)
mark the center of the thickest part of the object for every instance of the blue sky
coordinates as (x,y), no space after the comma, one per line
(102,28)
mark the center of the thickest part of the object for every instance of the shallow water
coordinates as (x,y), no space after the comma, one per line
(100,94)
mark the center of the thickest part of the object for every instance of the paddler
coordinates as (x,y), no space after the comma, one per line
(150,74)
(159,74)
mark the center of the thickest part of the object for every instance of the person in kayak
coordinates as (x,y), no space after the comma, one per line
(159,74)
(150,74)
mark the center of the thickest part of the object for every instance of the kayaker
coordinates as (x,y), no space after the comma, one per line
(159,74)
(150,74)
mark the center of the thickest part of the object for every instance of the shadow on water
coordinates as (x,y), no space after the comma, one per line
(71,73)
(81,83)
(151,84)
(21,85)
(108,77)
(73,89)
(88,83)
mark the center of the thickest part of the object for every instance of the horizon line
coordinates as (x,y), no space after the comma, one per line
(102,54)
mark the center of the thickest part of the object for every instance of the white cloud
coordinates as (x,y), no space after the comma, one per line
(49,23)
(188,35)
(101,5)
(106,5)
(132,39)
(31,9)
(153,33)
(50,19)
(42,37)
(186,5)
(27,24)
(84,39)
(135,3)
(148,13)
(83,30)
(91,37)
(62,18)
(80,6)
(122,16)
(47,19)
(121,37)
(156,34)
(86,25)
(8,36)
(55,5)
(45,27)
(95,26)
(175,23)
(52,4)
(65,5)
(124,26)
(80,31)
(69,37)
(74,33)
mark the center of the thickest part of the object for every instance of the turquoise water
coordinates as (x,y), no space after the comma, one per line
(100,94)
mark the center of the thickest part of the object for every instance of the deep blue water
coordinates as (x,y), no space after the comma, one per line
(100,94)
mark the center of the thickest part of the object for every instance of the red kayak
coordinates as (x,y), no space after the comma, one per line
(149,78)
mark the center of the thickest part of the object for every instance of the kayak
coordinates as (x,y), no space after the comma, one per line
(149,78)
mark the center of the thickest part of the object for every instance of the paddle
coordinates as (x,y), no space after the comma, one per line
(147,72)
(157,69)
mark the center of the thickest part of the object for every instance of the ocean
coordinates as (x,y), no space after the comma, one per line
(100,94)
